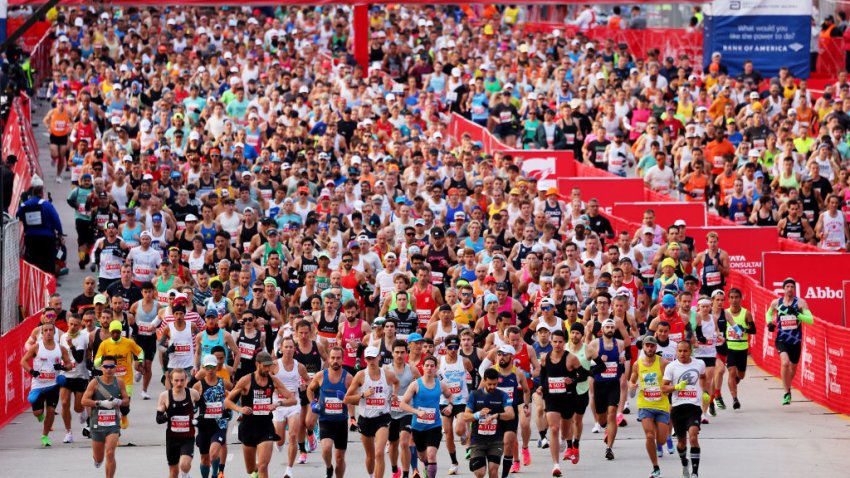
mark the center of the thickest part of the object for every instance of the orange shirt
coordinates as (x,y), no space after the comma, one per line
(714,152)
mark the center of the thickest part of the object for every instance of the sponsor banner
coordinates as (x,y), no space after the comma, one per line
(823,374)
(546,166)
(771,33)
(607,190)
(13,397)
(666,213)
(743,244)
(846,288)
(35,288)
(820,279)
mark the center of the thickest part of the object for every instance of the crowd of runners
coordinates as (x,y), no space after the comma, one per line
(305,253)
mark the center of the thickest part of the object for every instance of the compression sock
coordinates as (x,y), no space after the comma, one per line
(220,466)
(432,470)
(507,463)
(329,472)
(395,469)
(453,456)
(205,471)
(575,443)
(695,459)
(216,467)
(683,455)
(405,474)
(301,447)
(569,443)
(414,458)
(543,435)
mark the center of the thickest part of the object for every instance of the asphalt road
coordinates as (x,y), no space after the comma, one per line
(763,439)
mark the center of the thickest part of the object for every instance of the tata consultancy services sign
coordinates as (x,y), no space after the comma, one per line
(771,33)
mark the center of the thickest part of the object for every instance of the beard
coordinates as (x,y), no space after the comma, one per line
(336,366)
(609,335)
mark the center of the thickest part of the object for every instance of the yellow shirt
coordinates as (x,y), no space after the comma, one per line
(123,351)
(649,384)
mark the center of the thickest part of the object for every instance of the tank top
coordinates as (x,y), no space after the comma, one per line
(439,262)
(207,344)
(440,336)
(508,307)
(708,349)
(613,368)
(119,194)
(106,420)
(553,378)
(405,378)
(711,276)
(333,410)
(131,236)
(833,232)
(473,379)
(649,384)
(180,415)
(810,206)
(464,317)
(60,123)
(553,213)
(43,363)
(290,379)
(259,400)
(145,318)
(425,304)
(789,330)
(249,347)
(328,328)
(794,230)
(211,411)
(739,210)
(428,400)
(455,377)
(378,403)
(583,386)
(184,347)
(162,288)
(737,337)
(311,360)
(208,233)
(351,339)
(510,385)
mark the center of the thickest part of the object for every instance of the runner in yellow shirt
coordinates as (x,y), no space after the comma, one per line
(124,350)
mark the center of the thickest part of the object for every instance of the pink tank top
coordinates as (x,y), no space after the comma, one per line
(508,307)
(351,338)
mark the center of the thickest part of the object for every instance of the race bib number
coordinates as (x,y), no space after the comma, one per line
(610,370)
(213,410)
(333,406)
(429,417)
(455,389)
(395,405)
(452,96)
(509,391)
(247,350)
(33,218)
(788,322)
(487,428)
(712,278)
(557,385)
(376,403)
(437,278)
(182,348)
(688,394)
(50,375)
(180,424)
(505,117)
(652,394)
(145,329)
(424,317)
(262,406)
(107,418)
(120,371)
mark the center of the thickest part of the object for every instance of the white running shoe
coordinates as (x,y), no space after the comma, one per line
(453,470)
(686,473)
(556,470)
(596,428)
(58,179)
(69,438)
(145,395)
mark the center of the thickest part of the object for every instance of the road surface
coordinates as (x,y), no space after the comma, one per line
(763,439)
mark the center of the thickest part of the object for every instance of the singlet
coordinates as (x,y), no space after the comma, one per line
(106,420)
(290,379)
(145,318)
(833,231)
(208,233)
(510,385)
(583,386)
(553,214)
(709,331)
(259,400)
(184,346)
(455,377)
(249,347)
(440,347)
(711,276)
(351,339)
(738,210)
(60,123)
(734,339)
(207,344)
(427,400)
(328,328)
(794,230)
(649,383)
(464,317)
(613,368)
(43,363)
(180,416)
(311,360)
(553,378)
(333,410)
(379,402)
(211,411)
(405,378)
(439,262)
(425,305)
(473,379)
(131,236)
(162,288)
(788,330)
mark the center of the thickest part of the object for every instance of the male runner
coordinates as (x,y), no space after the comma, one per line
(738,331)
(77,342)
(45,362)
(685,379)
(609,354)
(453,370)
(331,386)
(788,314)
(487,410)
(653,405)
(400,421)
(103,395)
(124,350)
(559,373)
(287,420)
(212,418)
(176,407)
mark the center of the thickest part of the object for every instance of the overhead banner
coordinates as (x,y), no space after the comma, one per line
(771,33)
(743,244)
(819,276)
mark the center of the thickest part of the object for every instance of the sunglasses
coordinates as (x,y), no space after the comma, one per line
(546,308)
(452,347)
(108,366)
(209,367)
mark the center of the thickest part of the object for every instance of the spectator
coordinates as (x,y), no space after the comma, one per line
(42,228)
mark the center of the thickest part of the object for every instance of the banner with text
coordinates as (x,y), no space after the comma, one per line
(743,244)
(606,190)
(666,213)
(13,398)
(771,33)
(846,298)
(820,279)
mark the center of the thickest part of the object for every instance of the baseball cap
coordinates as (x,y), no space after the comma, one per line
(99,299)
(668,301)
(264,358)
(680,222)
(115,326)
(650,339)
(507,349)
(668,262)
(415,337)
(210,360)
(371,352)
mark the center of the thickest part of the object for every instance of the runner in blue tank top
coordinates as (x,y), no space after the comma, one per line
(213,337)
(788,314)
(609,354)
(331,385)
(422,399)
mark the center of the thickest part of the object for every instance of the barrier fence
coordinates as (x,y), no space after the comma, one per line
(35,288)
(18,139)
(824,372)
(11,276)
(13,395)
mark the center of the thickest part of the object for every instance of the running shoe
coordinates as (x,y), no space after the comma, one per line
(87,432)
(786,399)
(694,475)
(659,450)
(621,420)
(543,443)
(452,470)
(567,452)
(145,395)
(311,443)
(720,403)
(515,467)
(609,454)
(704,421)
(415,474)
(98,464)
(596,428)
(736,405)
(526,457)
(45,441)
(576,456)
(686,473)
(711,409)
(556,470)
(670,445)
(626,410)
(58,179)
(397,474)
(655,474)
(302,458)
(69,437)
(220,474)
(468,453)
(570,454)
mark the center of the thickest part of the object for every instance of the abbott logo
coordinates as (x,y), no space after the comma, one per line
(823,293)
(735,5)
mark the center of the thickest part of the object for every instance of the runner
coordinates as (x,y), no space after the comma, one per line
(127,355)
(287,420)
(213,418)
(609,355)
(653,405)
(400,421)
(313,356)
(487,409)
(350,337)
(46,362)
(331,386)
(684,380)
(256,404)
(144,313)
(788,313)
(452,371)
(176,407)
(707,335)
(373,390)
(103,395)
(738,331)
(79,347)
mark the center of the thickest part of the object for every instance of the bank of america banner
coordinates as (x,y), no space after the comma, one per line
(771,33)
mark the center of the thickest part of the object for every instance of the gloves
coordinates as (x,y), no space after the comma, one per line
(161,417)
(34,373)
(316,407)
(706,397)
(700,336)
(117,402)
(681,385)
(59,367)
(106,404)
(170,350)
(771,326)
(340,394)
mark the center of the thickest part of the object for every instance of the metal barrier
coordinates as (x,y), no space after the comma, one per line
(10,276)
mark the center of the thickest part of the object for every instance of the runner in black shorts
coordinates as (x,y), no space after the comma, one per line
(176,407)
(326,393)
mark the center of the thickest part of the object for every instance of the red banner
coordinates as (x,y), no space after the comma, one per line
(743,244)
(13,396)
(606,190)
(35,288)
(845,287)
(18,139)
(820,279)
(543,165)
(666,213)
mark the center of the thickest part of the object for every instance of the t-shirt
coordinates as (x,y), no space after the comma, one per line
(480,399)
(690,372)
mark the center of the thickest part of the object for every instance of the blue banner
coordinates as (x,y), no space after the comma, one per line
(771,33)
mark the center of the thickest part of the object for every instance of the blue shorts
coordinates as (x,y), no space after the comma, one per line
(659,416)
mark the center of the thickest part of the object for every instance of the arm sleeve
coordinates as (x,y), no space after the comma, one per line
(485,364)
(806,317)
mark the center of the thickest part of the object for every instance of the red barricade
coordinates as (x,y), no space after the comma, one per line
(35,288)
(743,244)
(819,277)
(18,140)
(830,57)
(543,165)
(823,374)
(13,395)
(606,190)
(788,245)
(666,213)
(845,287)
(651,196)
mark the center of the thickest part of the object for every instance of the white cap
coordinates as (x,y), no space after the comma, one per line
(456,72)
(190,217)
(371,352)
(194,135)
(648,230)
(507,349)
(543,325)
(303,89)
(78,22)
(680,222)
(210,360)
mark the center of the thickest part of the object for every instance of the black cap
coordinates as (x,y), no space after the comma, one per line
(501,286)
(438,232)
